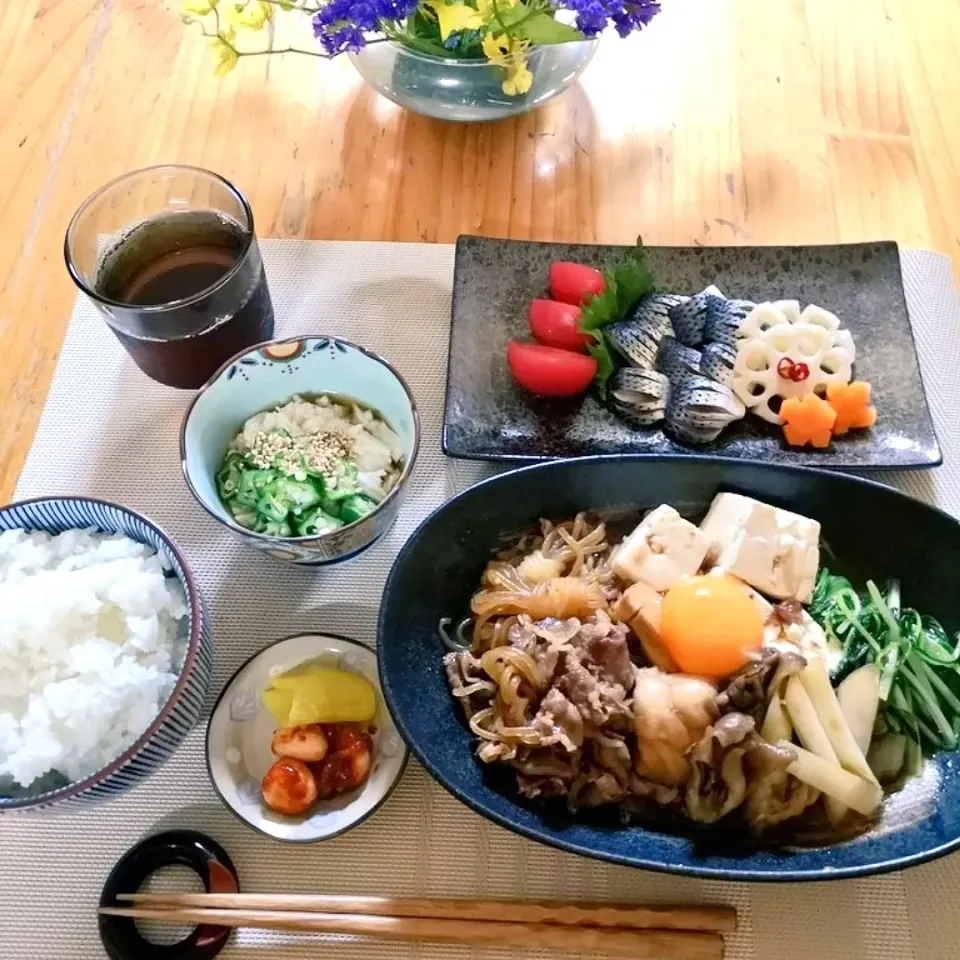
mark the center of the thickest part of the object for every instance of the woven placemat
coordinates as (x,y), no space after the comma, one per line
(108,431)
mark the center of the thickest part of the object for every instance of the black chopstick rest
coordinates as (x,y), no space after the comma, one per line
(121,938)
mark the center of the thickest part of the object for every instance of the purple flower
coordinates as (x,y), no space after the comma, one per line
(343,24)
(345,37)
(593,16)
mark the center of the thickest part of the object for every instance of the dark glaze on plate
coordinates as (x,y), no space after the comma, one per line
(487,417)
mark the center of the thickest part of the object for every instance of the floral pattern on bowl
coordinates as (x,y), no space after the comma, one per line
(268,375)
(244,706)
(238,746)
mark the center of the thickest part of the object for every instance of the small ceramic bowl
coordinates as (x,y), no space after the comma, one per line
(268,375)
(241,728)
(193,654)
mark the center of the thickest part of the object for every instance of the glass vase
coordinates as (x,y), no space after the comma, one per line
(468,90)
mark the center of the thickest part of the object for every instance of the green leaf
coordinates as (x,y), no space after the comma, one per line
(633,280)
(605,365)
(601,309)
(625,284)
(507,17)
(541,28)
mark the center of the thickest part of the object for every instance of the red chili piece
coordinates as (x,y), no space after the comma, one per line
(789,370)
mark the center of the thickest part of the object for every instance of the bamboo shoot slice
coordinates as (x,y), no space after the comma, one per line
(776,724)
(810,731)
(805,721)
(817,684)
(859,698)
(836,783)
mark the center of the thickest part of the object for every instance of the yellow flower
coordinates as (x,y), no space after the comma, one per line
(453,17)
(248,14)
(519,79)
(495,49)
(509,53)
(226,53)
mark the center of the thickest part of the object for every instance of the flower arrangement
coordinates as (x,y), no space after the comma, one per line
(498,31)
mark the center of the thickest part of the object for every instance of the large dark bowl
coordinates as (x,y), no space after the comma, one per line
(873,531)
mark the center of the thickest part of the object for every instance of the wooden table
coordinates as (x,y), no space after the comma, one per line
(728,121)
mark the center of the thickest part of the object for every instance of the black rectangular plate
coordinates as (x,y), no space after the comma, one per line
(487,417)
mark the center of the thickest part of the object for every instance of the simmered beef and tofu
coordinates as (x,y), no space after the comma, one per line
(746,694)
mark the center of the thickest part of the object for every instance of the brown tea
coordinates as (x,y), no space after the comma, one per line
(187,291)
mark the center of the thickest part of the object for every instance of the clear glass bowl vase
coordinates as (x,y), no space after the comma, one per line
(468,90)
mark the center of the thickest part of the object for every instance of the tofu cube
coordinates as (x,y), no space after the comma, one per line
(661,551)
(641,607)
(773,550)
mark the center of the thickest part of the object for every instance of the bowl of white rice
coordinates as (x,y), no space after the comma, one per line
(105,655)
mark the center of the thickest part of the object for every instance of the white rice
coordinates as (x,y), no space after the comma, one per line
(89,649)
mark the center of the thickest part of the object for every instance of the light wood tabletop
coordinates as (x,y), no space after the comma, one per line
(727,121)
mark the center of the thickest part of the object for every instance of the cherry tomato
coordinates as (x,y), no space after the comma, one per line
(289,787)
(556,324)
(574,283)
(548,371)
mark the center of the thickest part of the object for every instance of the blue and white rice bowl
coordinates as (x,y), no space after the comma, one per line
(268,375)
(181,710)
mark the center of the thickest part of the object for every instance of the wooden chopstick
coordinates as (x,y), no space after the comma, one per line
(712,919)
(615,942)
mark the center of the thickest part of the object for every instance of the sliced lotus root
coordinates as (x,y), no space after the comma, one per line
(844,339)
(787,360)
(789,308)
(762,318)
(820,318)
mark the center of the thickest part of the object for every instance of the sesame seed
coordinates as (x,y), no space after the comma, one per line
(319,452)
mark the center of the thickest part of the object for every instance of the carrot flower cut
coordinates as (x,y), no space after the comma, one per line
(807,419)
(852,404)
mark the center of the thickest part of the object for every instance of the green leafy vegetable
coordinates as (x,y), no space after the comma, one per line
(624,285)
(919,664)
(605,365)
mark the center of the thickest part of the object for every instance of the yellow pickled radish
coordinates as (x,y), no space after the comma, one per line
(278,702)
(319,695)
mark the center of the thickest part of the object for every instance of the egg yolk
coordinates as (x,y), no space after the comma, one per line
(710,624)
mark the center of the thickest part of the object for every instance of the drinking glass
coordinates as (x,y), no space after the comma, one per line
(169,257)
